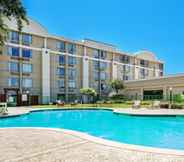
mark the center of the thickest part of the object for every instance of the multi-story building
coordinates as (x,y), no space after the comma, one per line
(44,68)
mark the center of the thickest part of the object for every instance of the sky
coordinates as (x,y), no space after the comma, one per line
(131,25)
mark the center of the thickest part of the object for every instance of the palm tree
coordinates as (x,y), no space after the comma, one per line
(117,85)
(89,92)
(11,9)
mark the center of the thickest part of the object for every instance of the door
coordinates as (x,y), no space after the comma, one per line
(11,97)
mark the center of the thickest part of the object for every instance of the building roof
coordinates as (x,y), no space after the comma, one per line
(157,78)
(33,27)
(146,55)
(37,29)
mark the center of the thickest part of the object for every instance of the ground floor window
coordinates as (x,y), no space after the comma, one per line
(153,94)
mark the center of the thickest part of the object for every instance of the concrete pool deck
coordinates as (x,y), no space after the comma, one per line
(14,111)
(52,145)
(44,145)
(151,112)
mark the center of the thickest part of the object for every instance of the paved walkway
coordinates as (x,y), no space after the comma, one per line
(14,111)
(41,145)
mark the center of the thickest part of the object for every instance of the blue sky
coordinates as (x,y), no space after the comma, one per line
(132,25)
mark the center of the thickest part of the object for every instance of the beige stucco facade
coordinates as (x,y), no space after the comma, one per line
(167,84)
(61,67)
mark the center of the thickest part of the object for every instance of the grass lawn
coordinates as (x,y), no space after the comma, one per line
(121,105)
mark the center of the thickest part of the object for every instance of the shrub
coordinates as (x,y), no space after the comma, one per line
(177,106)
(164,105)
(178,98)
(129,102)
(145,103)
(118,101)
(117,97)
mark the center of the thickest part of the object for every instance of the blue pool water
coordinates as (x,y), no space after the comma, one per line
(163,132)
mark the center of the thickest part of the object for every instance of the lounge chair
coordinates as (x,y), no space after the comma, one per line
(136,104)
(156,104)
(3,108)
(74,103)
(60,103)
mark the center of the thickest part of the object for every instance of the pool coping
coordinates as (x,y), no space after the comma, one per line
(98,140)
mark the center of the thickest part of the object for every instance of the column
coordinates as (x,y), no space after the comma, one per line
(165,94)
(114,70)
(136,73)
(66,78)
(45,76)
(85,79)
(142,93)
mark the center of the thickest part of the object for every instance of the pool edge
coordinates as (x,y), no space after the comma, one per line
(94,139)
(115,144)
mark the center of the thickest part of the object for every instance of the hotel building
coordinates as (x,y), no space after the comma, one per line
(45,67)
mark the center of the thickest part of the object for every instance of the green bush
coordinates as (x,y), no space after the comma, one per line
(178,98)
(118,97)
(146,103)
(118,101)
(129,102)
(177,106)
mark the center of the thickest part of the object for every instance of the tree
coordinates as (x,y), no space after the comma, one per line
(89,92)
(11,9)
(117,85)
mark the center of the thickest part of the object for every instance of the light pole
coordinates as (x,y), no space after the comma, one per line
(170,97)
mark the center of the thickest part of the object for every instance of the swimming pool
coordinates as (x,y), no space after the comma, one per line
(162,132)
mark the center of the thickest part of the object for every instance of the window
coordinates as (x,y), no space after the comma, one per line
(125,77)
(71,48)
(26,53)
(13,82)
(96,64)
(103,65)
(61,72)
(72,60)
(144,63)
(126,68)
(27,82)
(95,53)
(13,67)
(103,76)
(27,68)
(13,51)
(60,46)
(102,54)
(61,59)
(143,73)
(26,39)
(161,66)
(71,73)
(71,84)
(96,75)
(14,37)
(61,83)
(125,59)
